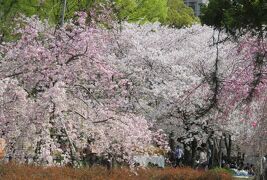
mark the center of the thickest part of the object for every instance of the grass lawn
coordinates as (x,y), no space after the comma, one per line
(23,172)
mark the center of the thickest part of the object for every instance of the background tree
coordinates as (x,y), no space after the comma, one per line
(236,17)
(141,10)
(45,9)
(74,97)
(172,75)
(179,14)
(171,12)
(245,22)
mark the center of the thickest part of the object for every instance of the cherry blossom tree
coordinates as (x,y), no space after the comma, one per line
(60,100)
(185,80)
(82,89)
(244,22)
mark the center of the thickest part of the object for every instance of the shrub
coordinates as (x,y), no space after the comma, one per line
(223,170)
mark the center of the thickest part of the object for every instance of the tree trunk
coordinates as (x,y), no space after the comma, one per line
(215,153)
(209,152)
(64,6)
(74,153)
(228,145)
(171,142)
(220,152)
(172,147)
(193,152)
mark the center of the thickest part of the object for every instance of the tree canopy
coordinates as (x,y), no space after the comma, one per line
(168,12)
(179,14)
(236,16)
(142,10)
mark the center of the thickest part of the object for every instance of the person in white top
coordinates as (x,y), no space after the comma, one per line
(203,158)
(2,147)
(179,153)
(264,167)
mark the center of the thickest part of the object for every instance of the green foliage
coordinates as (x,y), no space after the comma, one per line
(141,10)
(9,10)
(219,170)
(179,14)
(169,12)
(45,9)
(236,16)
(12,7)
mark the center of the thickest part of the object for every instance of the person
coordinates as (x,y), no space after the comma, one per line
(2,148)
(251,170)
(247,167)
(241,166)
(178,156)
(265,167)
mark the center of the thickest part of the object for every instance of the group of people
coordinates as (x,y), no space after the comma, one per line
(202,159)
(202,162)
(241,169)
